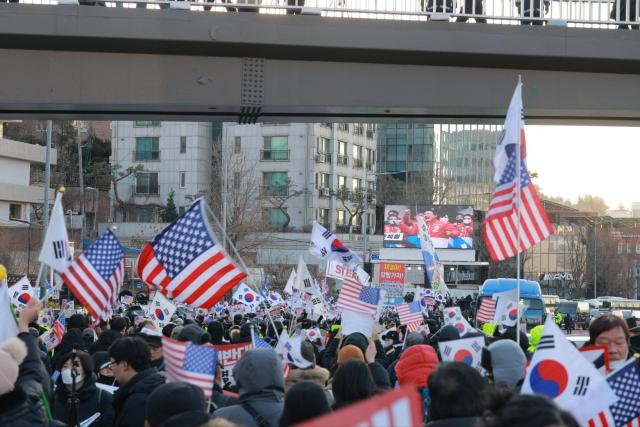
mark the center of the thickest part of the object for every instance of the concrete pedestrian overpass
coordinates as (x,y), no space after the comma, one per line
(115,63)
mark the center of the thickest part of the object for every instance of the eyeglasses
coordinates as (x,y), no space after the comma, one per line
(108,365)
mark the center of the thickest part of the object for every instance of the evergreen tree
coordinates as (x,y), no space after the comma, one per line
(169,213)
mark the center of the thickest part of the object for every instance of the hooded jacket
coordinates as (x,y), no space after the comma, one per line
(261,387)
(105,339)
(130,400)
(416,365)
(92,400)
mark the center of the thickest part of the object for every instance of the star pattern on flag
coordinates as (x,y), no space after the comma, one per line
(509,173)
(181,244)
(105,255)
(625,385)
(369,295)
(198,359)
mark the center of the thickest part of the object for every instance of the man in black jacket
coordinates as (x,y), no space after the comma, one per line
(131,365)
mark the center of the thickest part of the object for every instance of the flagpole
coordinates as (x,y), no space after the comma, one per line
(244,266)
(42,272)
(518,207)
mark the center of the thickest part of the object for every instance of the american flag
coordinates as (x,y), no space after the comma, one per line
(487,310)
(355,297)
(185,262)
(190,363)
(95,276)
(258,342)
(501,225)
(625,382)
(410,314)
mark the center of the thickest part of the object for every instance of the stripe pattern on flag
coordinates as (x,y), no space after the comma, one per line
(410,313)
(487,310)
(356,297)
(185,263)
(96,276)
(190,363)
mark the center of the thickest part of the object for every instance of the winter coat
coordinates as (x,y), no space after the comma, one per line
(105,340)
(330,355)
(316,374)
(130,400)
(22,406)
(416,365)
(221,400)
(92,400)
(261,387)
(456,422)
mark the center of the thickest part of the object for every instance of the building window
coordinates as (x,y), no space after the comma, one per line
(275,184)
(147,183)
(15,211)
(145,215)
(344,127)
(620,248)
(342,182)
(275,148)
(340,217)
(323,180)
(370,159)
(324,145)
(183,179)
(356,184)
(357,156)
(237,145)
(343,157)
(274,217)
(358,129)
(147,149)
(182,210)
(236,180)
(183,144)
(142,123)
(323,217)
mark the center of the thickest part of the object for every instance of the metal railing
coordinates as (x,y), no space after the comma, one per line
(145,156)
(343,160)
(145,190)
(274,191)
(573,13)
(357,163)
(274,155)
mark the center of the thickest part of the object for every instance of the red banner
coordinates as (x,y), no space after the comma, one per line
(228,356)
(399,408)
(392,273)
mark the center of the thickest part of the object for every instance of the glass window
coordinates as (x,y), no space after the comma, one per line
(342,148)
(275,148)
(183,144)
(15,211)
(276,218)
(147,149)
(237,146)
(324,145)
(356,184)
(357,152)
(342,182)
(276,183)
(146,123)
(183,179)
(147,183)
(182,210)
(323,216)
(340,217)
(324,180)
(145,215)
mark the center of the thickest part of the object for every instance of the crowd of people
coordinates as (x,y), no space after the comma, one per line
(74,384)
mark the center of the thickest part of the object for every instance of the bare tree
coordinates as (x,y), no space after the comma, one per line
(576,247)
(353,202)
(278,196)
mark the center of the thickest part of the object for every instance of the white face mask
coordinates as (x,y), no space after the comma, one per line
(615,364)
(67,378)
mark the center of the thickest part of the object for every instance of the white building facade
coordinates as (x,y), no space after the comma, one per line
(168,157)
(21,183)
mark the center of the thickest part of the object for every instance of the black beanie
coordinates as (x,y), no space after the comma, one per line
(171,399)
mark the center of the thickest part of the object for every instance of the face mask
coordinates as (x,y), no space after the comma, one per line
(615,364)
(467,221)
(67,377)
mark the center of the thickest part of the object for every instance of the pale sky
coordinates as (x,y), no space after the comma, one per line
(575,160)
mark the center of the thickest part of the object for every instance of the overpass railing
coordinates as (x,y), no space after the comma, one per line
(572,13)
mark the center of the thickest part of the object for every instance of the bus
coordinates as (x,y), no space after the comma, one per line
(530,297)
(579,310)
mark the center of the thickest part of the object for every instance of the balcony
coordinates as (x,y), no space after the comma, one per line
(323,158)
(324,192)
(344,127)
(274,191)
(343,160)
(358,130)
(369,134)
(274,155)
(146,156)
(357,163)
(145,190)
(370,166)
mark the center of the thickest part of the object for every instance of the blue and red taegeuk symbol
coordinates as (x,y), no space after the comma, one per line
(513,314)
(337,246)
(24,298)
(451,313)
(311,333)
(549,378)
(464,356)
(460,327)
(159,314)
(273,297)
(249,297)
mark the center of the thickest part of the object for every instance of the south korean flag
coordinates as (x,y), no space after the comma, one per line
(161,310)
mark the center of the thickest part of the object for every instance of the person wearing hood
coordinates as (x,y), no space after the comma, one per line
(259,378)
(535,335)
(107,337)
(193,333)
(102,368)
(92,399)
(22,375)
(415,366)
(216,332)
(176,404)
(413,338)
(131,365)
(504,363)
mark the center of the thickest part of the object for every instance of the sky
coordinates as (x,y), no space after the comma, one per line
(576,160)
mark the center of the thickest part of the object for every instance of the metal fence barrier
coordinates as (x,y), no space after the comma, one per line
(606,14)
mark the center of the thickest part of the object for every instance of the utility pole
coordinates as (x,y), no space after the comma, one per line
(47,178)
(80,181)
(595,260)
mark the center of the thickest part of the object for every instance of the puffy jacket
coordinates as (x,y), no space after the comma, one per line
(330,356)
(416,365)
(130,400)
(22,406)
(92,400)
(261,387)
(316,374)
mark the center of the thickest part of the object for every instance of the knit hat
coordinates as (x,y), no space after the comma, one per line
(349,352)
(172,399)
(507,363)
(449,333)
(193,333)
(12,353)
(306,351)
